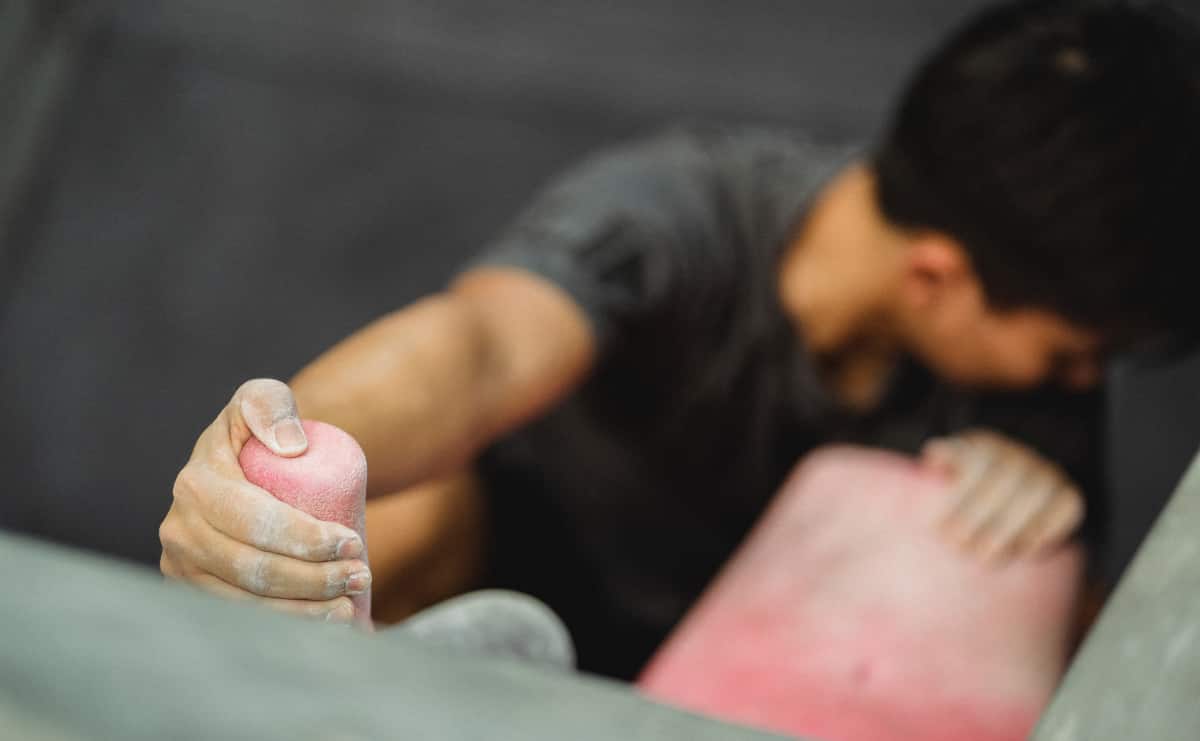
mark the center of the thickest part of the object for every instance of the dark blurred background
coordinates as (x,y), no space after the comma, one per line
(197,192)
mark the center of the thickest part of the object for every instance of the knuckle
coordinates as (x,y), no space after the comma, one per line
(258,405)
(264,394)
(254,572)
(182,546)
(301,538)
(285,530)
(185,486)
(256,386)
(267,526)
(336,577)
(194,491)
(341,611)
(170,535)
(316,543)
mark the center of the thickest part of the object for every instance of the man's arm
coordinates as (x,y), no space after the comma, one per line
(425,388)
(422,390)
(604,247)
(427,544)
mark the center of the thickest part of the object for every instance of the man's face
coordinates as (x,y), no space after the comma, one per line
(947,322)
(982,347)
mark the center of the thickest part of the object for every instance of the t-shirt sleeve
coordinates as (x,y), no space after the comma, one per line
(630,230)
(611,231)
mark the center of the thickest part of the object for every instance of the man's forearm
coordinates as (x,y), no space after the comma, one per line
(426,543)
(407,387)
(425,388)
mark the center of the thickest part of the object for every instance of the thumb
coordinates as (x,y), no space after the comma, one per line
(269,411)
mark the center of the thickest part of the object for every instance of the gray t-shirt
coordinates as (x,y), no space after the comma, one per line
(619,505)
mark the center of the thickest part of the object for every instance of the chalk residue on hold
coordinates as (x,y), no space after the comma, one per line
(844,616)
(328,481)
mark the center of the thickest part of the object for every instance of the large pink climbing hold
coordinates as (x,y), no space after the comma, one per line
(843,617)
(328,481)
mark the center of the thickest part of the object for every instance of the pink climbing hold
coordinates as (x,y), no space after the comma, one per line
(328,481)
(844,618)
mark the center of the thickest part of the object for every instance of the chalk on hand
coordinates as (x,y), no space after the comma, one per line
(328,481)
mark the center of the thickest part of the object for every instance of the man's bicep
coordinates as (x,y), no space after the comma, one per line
(538,343)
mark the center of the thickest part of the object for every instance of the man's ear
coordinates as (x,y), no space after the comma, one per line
(936,270)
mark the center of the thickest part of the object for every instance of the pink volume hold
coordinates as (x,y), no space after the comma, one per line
(328,481)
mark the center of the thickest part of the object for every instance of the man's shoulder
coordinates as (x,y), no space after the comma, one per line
(769,176)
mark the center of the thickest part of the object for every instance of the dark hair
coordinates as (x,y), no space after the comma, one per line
(1060,143)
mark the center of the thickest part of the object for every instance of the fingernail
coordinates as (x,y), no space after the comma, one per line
(289,435)
(350,546)
(359,582)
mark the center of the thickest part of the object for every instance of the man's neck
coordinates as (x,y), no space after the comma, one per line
(831,285)
(859,377)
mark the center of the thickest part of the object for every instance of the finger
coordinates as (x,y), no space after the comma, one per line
(1064,515)
(973,466)
(1005,534)
(339,610)
(981,506)
(267,409)
(941,455)
(248,514)
(269,574)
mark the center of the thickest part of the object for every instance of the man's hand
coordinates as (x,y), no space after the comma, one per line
(1009,502)
(234,539)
